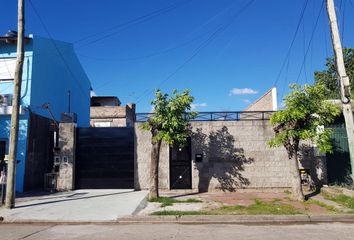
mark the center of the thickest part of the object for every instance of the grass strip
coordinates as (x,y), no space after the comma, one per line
(179,213)
(341,199)
(258,208)
(331,209)
(167,201)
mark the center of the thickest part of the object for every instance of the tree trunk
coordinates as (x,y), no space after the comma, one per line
(296,179)
(154,169)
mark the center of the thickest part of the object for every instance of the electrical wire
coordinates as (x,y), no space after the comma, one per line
(343,20)
(302,13)
(286,79)
(58,51)
(303,47)
(310,42)
(130,23)
(167,50)
(221,28)
(151,55)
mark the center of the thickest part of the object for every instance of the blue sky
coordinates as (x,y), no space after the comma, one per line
(227,52)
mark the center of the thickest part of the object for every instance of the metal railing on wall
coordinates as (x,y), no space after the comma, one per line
(219,116)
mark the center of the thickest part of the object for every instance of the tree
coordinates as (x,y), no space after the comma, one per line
(168,124)
(305,112)
(329,77)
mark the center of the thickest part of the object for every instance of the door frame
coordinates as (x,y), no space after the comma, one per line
(189,145)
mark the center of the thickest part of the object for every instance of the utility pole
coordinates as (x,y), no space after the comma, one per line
(11,169)
(344,81)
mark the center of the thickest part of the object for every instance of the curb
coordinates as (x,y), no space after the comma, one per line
(218,219)
(241,219)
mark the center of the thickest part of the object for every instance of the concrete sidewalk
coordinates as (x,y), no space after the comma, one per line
(76,206)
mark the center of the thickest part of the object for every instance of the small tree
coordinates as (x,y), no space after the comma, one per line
(305,111)
(169,124)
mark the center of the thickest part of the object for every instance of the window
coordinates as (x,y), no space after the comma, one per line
(7,69)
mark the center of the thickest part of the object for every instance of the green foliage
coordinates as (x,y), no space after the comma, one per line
(304,113)
(329,76)
(167,201)
(170,120)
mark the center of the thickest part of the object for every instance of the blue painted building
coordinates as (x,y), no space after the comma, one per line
(51,71)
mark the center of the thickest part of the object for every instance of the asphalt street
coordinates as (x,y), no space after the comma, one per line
(323,231)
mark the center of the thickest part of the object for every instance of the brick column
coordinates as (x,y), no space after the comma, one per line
(67,145)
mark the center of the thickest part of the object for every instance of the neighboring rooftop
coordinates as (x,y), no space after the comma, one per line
(11,37)
(100,101)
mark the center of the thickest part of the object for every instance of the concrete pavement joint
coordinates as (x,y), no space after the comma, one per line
(34,233)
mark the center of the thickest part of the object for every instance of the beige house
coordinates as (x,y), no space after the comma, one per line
(106,111)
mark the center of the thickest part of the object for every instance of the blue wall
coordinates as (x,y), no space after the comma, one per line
(9,51)
(47,78)
(5,123)
(57,70)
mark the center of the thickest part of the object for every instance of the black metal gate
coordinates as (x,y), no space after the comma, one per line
(105,158)
(181,167)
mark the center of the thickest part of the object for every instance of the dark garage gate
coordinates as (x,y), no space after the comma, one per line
(104,158)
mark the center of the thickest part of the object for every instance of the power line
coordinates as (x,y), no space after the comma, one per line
(303,47)
(57,49)
(286,78)
(343,20)
(157,53)
(130,23)
(221,28)
(310,42)
(302,13)
(167,50)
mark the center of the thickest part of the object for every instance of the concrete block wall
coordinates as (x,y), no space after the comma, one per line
(67,145)
(117,116)
(142,160)
(235,155)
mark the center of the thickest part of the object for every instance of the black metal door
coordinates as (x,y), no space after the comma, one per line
(181,167)
(105,158)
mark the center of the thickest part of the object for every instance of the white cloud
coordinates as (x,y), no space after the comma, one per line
(198,105)
(242,91)
(246,101)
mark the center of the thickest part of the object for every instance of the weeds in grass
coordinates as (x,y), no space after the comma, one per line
(167,201)
(179,213)
(288,192)
(321,204)
(341,199)
(259,207)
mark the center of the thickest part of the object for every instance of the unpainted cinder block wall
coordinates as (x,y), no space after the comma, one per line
(235,155)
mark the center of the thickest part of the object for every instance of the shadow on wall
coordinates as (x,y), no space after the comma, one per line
(222,160)
(316,166)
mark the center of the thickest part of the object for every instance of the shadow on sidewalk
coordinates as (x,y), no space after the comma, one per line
(72,198)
